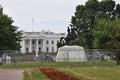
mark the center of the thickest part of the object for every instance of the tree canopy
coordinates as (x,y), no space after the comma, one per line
(85,18)
(98,23)
(10,37)
(107,34)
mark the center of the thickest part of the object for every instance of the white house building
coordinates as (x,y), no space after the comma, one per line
(34,42)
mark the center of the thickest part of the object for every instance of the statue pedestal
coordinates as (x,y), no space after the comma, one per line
(71,54)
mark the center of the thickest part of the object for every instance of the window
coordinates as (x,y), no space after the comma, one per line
(26,49)
(39,49)
(52,42)
(47,42)
(33,42)
(47,49)
(52,49)
(39,42)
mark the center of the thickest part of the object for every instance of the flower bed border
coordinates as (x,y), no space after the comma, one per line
(56,75)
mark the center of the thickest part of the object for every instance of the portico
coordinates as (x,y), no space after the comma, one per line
(36,42)
(33,45)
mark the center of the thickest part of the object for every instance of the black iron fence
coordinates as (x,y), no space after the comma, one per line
(92,55)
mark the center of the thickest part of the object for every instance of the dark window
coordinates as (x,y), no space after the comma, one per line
(52,42)
(33,42)
(52,49)
(47,42)
(39,42)
(39,49)
(26,49)
(47,49)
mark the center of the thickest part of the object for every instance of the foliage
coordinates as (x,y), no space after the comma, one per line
(107,36)
(86,15)
(10,37)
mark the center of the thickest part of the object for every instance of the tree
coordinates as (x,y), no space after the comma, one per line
(107,36)
(86,15)
(10,37)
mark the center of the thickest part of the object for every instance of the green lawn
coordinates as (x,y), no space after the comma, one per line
(34,74)
(94,73)
(60,64)
(70,73)
(83,70)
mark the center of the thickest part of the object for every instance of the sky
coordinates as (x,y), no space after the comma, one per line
(37,15)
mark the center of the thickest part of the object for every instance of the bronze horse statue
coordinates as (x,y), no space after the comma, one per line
(72,34)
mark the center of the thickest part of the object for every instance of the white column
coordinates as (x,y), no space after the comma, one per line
(43,45)
(36,47)
(23,46)
(30,50)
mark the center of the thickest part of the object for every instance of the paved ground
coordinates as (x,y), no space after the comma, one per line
(12,74)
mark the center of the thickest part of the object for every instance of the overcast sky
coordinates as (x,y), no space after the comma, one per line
(53,15)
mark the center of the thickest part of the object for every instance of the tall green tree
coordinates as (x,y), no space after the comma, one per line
(86,15)
(107,36)
(10,37)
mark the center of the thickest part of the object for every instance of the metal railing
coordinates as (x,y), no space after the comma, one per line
(92,55)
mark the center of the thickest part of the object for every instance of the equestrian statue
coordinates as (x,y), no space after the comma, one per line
(71,35)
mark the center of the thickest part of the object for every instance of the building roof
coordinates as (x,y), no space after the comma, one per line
(33,35)
(42,34)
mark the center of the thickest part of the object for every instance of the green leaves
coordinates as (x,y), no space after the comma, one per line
(107,33)
(93,12)
(9,35)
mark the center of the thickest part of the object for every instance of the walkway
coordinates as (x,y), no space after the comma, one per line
(12,74)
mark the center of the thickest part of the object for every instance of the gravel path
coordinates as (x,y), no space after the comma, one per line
(12,74)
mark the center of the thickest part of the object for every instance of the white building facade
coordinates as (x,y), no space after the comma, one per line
(35,42)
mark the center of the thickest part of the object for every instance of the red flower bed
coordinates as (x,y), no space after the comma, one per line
(56,75)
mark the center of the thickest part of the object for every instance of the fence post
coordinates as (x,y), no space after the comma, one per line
(14,57)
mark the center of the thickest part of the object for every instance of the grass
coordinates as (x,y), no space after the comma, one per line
(26,76)
(91,73)
(60,64)
(101,73)
(66,71)
(95,73)
(37,75)
(83,70)
(34,74)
